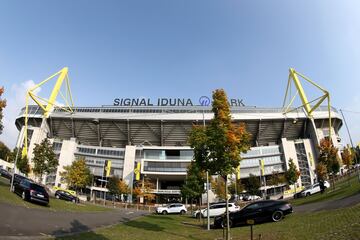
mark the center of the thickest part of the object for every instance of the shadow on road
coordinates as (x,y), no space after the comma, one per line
(78,227)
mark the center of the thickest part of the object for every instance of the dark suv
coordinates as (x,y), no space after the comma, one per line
(30,191)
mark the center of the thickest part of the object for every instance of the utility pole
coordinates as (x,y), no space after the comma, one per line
(207,186)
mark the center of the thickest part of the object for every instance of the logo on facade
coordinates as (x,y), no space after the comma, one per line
(204,101)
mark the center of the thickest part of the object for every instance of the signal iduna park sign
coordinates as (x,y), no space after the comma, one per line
(163,102)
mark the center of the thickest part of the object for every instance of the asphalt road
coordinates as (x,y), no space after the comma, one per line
(18,222)
(329,205)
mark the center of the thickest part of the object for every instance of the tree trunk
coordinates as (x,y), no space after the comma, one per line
(227,210)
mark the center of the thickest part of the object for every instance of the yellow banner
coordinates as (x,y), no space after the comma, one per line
(262,167)
(107,168)
(137,171)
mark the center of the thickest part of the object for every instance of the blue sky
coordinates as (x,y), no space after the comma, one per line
(180,49)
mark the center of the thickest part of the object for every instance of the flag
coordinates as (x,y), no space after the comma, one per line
(238,172)
(107,168)
(262,166)
(137,172)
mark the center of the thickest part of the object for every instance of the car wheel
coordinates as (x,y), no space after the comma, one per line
(307,194)
(223,223)
(23,196)
(182,212)
(164,212)
(74,200)
(277,216)
(57,196)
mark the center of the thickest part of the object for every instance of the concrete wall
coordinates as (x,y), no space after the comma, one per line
(290,152)
(66,157)
(129,163)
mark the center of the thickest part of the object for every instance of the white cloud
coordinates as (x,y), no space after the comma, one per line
(15,97)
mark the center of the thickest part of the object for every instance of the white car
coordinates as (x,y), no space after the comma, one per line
(171,208)
(314,189)
(216,209)
(251,198)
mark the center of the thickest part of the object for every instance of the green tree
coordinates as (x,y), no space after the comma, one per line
(117,186)
(218,146)
(292,174)
(347,157)
(321,171)
(4,152)
(276,179)
(193,187)
(44,159)
(23,164)
(328,155)
(145,189)
(236,187)
(252,185)
(2,106)
(77,175)
(219,186)
(112,185)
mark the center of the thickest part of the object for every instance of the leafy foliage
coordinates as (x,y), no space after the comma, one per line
(276,179)
(252,185)
(44,159)
(292,174)
(328,156)
(145,189)
(348,157)
(4,151)
(117,186)
(321,171)
(23,164)
(236,187)
(217,147)
(219,186)
(77,175)
(194,184)
(2,106)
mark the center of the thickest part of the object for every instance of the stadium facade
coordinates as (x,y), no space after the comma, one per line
(156,137)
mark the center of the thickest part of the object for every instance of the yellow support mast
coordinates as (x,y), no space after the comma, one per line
(294,77)
(47,105)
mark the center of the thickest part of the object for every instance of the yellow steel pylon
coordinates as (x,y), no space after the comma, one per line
(309,109)
(47,105)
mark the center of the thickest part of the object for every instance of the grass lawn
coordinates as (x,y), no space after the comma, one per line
(342,190)
(55,205)
(336,224)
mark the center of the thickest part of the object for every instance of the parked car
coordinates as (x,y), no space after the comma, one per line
(17,179)
(60,194)
(216,209)
(315,188)
(5,173)
(299,194)
(30,191)
(251,197)
(172,208)
(260,211)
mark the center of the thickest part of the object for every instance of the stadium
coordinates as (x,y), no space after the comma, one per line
(155,135)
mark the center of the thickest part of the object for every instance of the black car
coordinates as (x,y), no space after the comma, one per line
(260,211)
(30,191)
(299,194)
(5,173)
(59,194)
(17,179)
